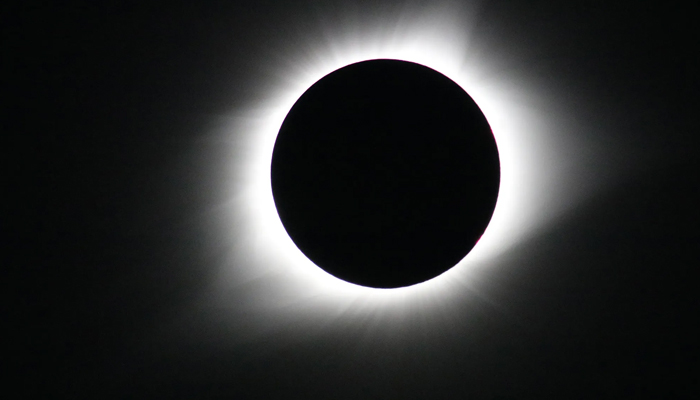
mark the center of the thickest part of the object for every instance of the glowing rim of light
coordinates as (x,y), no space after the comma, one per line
(434,45)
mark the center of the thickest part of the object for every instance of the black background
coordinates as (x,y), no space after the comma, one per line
(107,172)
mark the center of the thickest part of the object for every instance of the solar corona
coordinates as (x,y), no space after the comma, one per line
(325,208)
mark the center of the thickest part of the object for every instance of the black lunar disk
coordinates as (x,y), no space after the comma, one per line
(385,173)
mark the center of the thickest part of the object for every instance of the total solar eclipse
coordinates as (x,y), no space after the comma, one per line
(385,173)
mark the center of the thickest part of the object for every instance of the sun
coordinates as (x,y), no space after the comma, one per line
(438,39)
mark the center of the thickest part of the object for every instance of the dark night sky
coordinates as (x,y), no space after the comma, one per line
(110,170)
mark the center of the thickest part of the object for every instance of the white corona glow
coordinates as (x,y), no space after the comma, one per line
(438,39)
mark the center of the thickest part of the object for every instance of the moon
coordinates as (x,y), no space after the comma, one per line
(385,173)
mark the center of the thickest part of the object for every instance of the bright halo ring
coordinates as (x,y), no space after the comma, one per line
(436,41)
